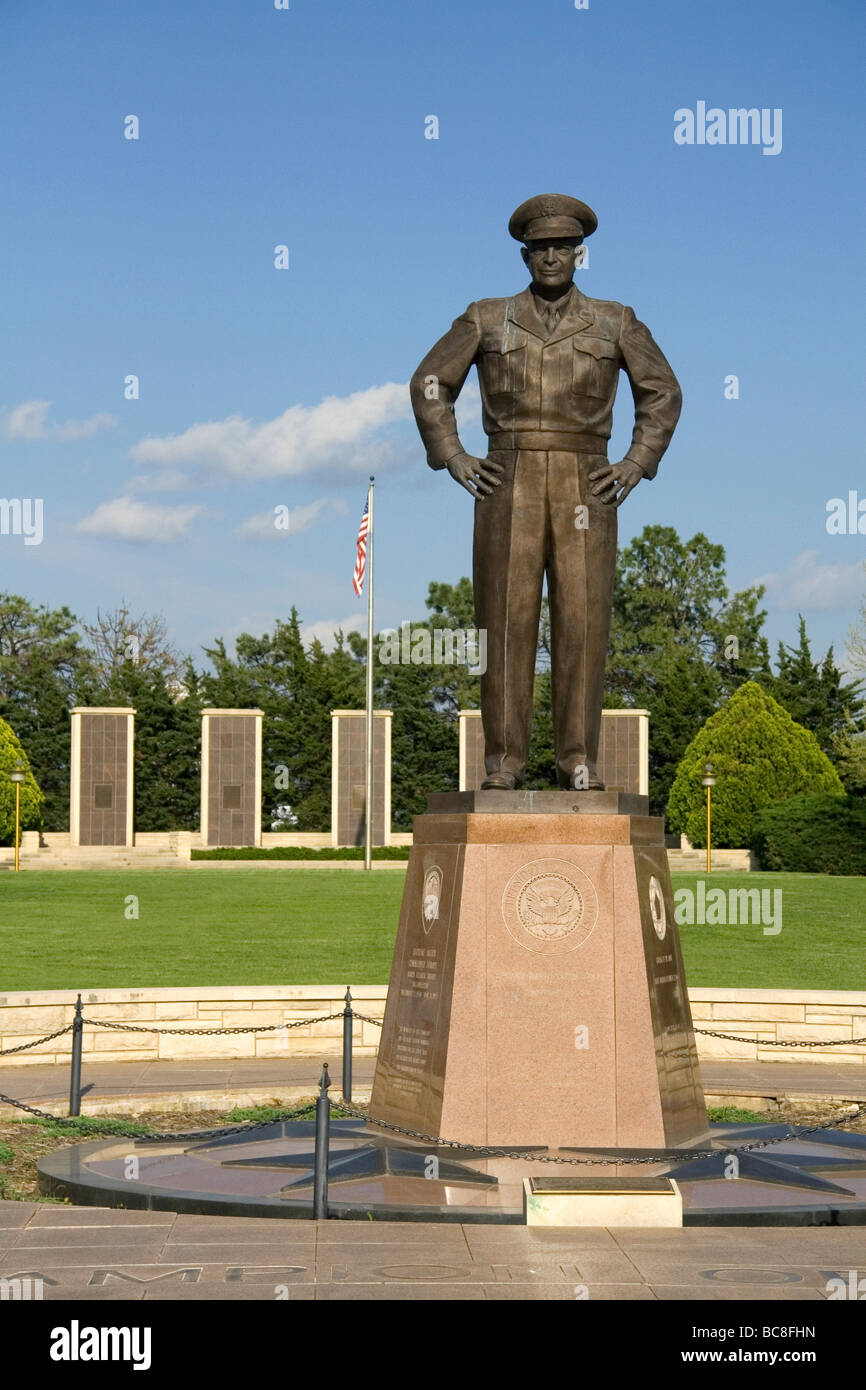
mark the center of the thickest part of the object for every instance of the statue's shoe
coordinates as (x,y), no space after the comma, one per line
(585,778)
(500,782)
(595,782)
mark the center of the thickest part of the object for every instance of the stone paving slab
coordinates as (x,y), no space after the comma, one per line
(207,1293)
(686,1293)
(565,1292)
(125,1238)
(96,1254)
(52,1215)
(420,1292)
(15,1214)
(485,1241)
(62,1255)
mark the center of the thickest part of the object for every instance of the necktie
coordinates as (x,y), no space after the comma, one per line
(550,313)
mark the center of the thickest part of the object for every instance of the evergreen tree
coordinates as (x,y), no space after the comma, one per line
(680,642)
(13,757)
(849,757)
(815,694)
(43,669)
(759,755)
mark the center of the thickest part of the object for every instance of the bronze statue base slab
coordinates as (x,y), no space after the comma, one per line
(540,802)
(537,994)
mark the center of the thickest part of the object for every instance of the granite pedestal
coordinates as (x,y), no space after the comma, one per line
(537,992)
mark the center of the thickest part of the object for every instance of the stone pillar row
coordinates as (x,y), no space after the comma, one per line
(101,772)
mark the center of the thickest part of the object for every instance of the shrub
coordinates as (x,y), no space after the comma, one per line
(759,755)
(12,753)
(812,835)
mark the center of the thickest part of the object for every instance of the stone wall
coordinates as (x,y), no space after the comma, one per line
(780,1015)
(761,1015)
(38,1012)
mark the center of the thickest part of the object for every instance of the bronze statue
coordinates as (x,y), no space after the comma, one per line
(548,364)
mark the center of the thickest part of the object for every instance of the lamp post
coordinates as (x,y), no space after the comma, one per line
(709,782)
(18,776)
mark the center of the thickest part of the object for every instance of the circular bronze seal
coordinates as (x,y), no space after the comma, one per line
(431,895)
(550,906)
(657,908)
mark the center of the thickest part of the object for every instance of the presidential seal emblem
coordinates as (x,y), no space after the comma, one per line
(657,908)
(550,906)
(430,898)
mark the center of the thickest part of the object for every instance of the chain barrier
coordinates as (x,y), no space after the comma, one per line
(108,1127)
(344,1107)
(206,1032)
(487,1151)
(7,1051)
(483,1150)
(761,1042)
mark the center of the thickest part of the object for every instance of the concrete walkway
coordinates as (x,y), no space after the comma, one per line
(129,1087)
(102,1255)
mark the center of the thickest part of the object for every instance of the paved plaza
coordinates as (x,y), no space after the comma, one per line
(103,1255)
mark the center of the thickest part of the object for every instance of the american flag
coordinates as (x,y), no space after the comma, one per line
(361,558)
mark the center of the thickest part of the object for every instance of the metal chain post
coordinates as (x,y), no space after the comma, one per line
(75,1069)
(323,1132)
(348,1020)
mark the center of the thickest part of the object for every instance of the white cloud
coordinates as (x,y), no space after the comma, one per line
(28,421)
(326,629)
(806,583)
(126,519)
(262,526)
(167,480)
(335,434)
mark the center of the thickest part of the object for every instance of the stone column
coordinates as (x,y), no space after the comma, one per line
(471,742)
(101,776)
(349,776)
(623,750)
(231,777)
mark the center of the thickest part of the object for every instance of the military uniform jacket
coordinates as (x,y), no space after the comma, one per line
(561,384)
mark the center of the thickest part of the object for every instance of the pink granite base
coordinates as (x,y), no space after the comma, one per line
(537,993)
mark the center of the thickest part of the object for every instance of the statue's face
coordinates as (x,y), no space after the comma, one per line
(551,263)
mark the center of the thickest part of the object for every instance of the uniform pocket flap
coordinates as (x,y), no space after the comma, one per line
(599,347)
(512,343)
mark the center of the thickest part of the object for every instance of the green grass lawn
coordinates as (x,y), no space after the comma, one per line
(333,926)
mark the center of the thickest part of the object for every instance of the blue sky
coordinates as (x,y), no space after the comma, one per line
(305,127)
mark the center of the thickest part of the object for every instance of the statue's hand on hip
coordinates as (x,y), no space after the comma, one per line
(614,483)
(478,476)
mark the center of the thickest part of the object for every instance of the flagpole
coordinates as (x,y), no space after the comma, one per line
(368,802)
